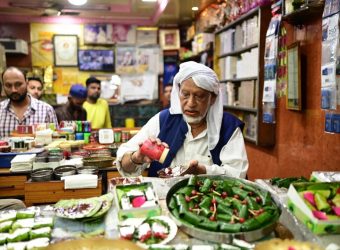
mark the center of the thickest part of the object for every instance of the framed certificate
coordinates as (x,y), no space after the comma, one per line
(65,50)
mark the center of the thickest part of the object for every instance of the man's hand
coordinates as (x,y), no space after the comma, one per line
(195,168)
(141,158)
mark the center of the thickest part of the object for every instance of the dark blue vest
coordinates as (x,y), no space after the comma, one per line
(173,130)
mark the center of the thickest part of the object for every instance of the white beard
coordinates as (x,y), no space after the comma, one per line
(193,120)
(198,119)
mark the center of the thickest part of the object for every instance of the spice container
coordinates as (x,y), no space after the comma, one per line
(154,151)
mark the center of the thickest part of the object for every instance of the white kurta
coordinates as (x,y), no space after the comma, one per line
(233,155)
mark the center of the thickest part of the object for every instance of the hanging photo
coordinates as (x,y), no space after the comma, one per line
(109,34)
(126,60)
(146,36)
(65,50)
(294,77)
(169,39)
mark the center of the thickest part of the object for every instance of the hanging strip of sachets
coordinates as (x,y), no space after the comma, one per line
(270,70)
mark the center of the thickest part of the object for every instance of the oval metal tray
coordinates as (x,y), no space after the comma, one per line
(220,236)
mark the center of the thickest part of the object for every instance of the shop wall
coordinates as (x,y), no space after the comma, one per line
(41,36)
(301,146)
(17,31)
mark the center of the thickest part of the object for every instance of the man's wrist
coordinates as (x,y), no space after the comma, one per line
(132,161)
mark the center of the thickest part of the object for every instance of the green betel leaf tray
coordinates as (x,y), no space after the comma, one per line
(219,209)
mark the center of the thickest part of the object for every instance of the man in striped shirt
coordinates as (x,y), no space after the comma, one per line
(20,108)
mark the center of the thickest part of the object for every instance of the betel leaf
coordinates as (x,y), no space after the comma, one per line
(185,190)
(106,204)
(321,203)
(336,200)
(76,209)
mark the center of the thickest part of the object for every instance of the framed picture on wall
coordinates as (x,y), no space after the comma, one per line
(294,77)
(169,39)
(96,60)
(65,50)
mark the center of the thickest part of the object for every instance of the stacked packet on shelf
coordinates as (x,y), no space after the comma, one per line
(22,162)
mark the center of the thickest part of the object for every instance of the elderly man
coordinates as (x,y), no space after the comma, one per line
(73,110)
(20,108)
(198,133)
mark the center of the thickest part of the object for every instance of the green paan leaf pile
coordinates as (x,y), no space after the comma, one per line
(223,205)
(83,208)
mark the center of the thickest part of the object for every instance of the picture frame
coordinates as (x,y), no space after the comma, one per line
(96,60)
(65,48)
(293,77)
(109,34)
(169,39)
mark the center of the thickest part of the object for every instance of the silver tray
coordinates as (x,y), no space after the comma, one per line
(221,236)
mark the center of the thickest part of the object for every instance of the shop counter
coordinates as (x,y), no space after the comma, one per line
(288,225)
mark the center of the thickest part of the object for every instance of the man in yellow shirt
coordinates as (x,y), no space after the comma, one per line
(97,108)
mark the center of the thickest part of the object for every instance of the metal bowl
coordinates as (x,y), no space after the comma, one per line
(65,170)
(101,162)
(221,237)
(42,174)
(87,170)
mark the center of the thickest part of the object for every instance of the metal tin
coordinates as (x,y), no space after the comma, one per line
(125,136)
(42,158)
(87,170)
(117,135)
(220,236)
(65,170)
(42,174)
(79,136)
(54,158)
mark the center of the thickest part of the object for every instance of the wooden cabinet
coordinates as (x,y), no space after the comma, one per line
(52,191)
(12,186)
(239,62)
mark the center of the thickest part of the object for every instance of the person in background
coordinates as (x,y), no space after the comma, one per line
(21,108)
(35,87)
(11,204)
(167,94)
(97,108)
(73,110)
(200,136)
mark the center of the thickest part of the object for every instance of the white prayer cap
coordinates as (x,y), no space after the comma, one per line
(205,78)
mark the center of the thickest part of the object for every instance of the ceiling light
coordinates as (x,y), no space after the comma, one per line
(194,8)
(77,2)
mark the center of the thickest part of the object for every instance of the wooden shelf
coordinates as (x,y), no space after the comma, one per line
(252,110)
(239,51)
(249,139)
(196,57)
(264,133)
(239,79)
(248,15)
(187,43)
(304,14)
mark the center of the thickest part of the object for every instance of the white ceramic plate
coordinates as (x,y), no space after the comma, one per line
(138,221)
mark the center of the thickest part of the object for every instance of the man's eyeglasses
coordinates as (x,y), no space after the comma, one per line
(199,98)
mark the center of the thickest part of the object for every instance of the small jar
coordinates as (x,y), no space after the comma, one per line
(154,151)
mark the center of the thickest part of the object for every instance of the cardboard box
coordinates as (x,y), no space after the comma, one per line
(299,208)
(123,197)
